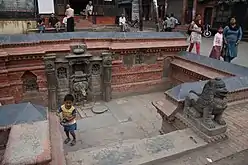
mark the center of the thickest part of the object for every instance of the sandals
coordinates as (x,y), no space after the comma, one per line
(73,142)
(67,140)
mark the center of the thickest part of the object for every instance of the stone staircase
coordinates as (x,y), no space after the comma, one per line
(82,23)
(149,151)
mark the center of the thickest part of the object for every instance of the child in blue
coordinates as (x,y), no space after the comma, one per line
(67,114)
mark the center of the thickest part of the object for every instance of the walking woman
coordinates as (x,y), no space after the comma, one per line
(70,18)
(196,34)
(232,35)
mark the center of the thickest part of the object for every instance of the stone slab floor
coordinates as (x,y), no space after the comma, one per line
(131,118)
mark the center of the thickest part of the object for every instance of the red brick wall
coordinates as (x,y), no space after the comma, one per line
(16,59)
(11,88)
(137,77)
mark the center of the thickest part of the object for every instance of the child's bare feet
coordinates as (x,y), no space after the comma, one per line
(73,142)
(67,140)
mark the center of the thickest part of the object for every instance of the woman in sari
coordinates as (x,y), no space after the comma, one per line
(232,35)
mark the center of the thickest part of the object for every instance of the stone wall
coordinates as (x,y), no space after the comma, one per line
(137,64)
(136,71)
(16,26)
(22,79)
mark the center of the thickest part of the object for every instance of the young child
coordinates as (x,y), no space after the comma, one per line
(67,114)
(217,44)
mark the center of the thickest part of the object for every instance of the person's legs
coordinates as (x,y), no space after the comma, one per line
(227,58)
(73,142)
(67,140)
(72,132)
(198,47)
(72,24)
(57,26)
(191,46)
(69,24)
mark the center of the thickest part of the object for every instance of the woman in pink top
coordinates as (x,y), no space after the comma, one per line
(217,44)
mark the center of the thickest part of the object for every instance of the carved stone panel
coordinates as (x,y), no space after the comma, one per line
(151,59)
(139,59)
(115,56)
(61,73)
(128,60)
(29,82)
(96,69)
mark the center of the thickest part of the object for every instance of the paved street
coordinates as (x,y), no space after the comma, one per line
(242,58)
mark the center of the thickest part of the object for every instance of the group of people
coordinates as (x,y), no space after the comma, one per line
(68,20)
(170,23)
(225,43)
(54,22)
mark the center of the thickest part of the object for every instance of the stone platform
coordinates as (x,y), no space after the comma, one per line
(148,150)
(28,144)
(209,135)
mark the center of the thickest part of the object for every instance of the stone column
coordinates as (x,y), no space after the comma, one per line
(51,81)
(194,9)
(185,7)
(107,76)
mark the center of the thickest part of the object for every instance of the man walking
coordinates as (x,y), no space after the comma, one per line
(70,18)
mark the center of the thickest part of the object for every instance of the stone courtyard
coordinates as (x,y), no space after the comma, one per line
(115,129)
(131,117)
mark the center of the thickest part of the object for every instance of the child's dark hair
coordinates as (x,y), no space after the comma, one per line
(69,97)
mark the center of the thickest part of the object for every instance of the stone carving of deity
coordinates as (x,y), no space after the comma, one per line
(80,90)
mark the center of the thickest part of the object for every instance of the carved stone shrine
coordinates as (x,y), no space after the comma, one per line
(85,76)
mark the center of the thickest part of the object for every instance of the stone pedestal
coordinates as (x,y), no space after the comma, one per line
(107,76)
(51,81)
(209,135)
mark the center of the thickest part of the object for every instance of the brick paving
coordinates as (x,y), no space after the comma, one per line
(236,117)
(240,158)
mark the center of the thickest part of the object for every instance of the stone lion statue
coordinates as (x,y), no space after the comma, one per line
(80,90)
(209,105)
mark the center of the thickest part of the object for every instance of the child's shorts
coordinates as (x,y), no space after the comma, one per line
(70,128)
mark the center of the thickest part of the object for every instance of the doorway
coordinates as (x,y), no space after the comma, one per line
(239,11)
(78,5)
(208,15)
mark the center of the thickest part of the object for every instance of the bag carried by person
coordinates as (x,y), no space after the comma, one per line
(189,31)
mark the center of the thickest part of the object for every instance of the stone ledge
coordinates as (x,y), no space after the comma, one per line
(28,144)
(149,150)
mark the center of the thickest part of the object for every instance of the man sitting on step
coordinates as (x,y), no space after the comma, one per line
(89,9)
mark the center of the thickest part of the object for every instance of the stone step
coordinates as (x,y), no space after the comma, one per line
(196,68)
(146,151)
(165,106)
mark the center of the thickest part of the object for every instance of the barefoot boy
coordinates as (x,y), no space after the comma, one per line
(67,114)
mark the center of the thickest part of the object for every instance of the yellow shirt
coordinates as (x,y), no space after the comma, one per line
(67,113)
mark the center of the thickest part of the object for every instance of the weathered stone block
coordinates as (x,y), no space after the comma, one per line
(28,144)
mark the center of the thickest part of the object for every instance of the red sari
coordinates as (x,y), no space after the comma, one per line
(216,52)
